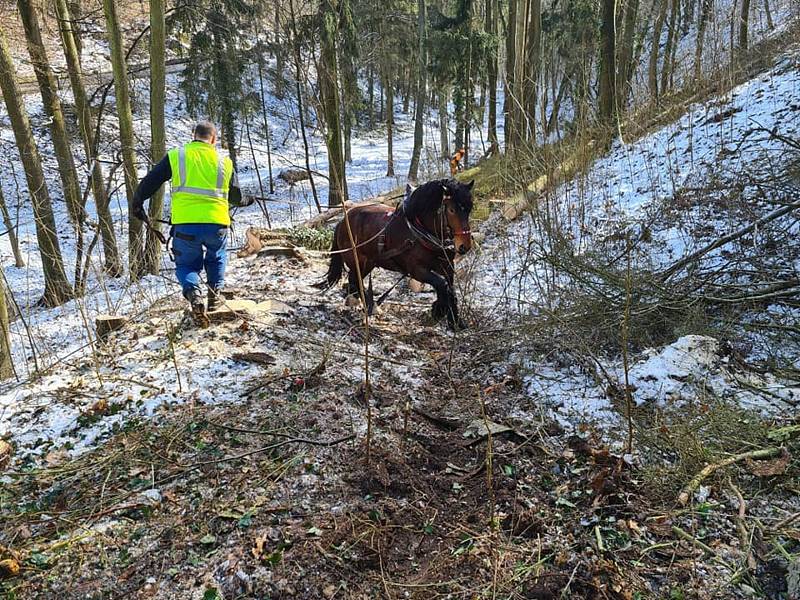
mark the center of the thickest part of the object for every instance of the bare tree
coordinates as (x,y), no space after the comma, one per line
(157,138)
(85,124)
(329,99)
(11,231)
(6,360)
(125,117)
(57,289)
(52,108)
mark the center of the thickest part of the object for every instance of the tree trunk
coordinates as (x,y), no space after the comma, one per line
(652,71)
(672,34)
(419,103)
(768,12)
(298,74)
(371,96)
(135,241)
(57,289)
(552,122)
(348,55)
(744,22)
(266,121)
(12,232)
(625,67)
(52,108)
(705,11)
(387,85)
(491,68)
(329,92)
(532,67)
(607,84)
(6,359)
(444,138)
(112,264)
(158,147)
(515,36)
(76,14)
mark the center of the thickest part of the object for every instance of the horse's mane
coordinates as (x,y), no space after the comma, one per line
(427,197)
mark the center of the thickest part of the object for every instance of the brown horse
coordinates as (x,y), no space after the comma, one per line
(420,239)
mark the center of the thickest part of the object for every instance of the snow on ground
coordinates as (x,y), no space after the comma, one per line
(722,142)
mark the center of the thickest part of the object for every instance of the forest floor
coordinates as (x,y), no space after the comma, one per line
(233,462)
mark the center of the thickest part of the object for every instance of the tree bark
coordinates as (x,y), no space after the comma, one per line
(652,71)
(515,59)
(744,22)
(158,147)
(6,359)
(11,231)
(607,78)
(491,68)
(532,66)
(419,103)
(125,117)
(112,263)
(387,85)
(298,74)
(625,67)
(768,12)
(705,11)
(444,137)
(57,289)
(672,34)
(329,93)
(52,108)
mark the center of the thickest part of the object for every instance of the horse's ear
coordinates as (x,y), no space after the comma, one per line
(470,184)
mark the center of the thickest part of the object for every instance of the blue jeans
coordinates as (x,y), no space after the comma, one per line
(188,244)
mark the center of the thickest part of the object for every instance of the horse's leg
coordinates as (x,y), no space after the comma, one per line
(354,287)
(453,319)
(369,296)
(439,283)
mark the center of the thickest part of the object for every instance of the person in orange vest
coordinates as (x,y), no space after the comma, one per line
(455,161)
(203,182)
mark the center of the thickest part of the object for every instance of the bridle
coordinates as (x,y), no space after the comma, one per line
(429,239)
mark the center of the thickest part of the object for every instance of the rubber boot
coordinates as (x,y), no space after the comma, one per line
(198,308)
(215,299)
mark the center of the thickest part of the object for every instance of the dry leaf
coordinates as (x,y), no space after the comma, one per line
(5,453)
(258,549)
(9,568)
(768,468)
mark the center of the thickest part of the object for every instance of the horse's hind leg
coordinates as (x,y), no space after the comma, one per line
(354,290)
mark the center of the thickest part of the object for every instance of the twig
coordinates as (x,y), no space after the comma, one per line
(763,454)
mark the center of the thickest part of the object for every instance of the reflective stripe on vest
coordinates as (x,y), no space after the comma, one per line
(219,192)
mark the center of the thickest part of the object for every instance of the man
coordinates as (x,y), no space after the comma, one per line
(202,183)
(455,161)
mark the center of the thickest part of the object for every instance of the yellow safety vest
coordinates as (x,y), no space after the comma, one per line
(200,180)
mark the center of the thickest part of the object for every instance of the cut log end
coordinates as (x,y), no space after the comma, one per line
(105,324)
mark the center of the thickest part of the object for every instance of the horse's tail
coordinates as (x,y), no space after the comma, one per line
(335,269)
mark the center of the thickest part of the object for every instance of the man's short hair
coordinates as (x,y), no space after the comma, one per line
(204,130)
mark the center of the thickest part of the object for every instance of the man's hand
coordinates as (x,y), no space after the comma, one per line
(138,212)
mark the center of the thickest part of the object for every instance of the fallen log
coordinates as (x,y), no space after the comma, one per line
(292,176)
(255,238)
(325,217)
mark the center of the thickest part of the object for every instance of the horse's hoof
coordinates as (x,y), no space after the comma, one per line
(438,311)
(352,300)
(458,325)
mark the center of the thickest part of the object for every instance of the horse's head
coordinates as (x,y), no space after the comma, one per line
(457,204)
